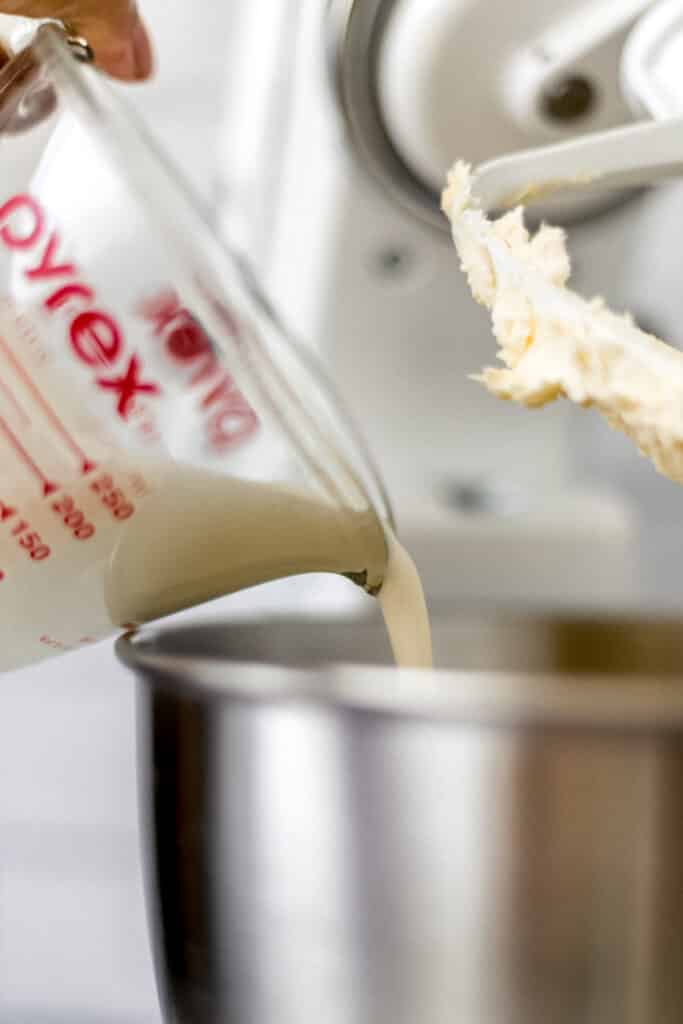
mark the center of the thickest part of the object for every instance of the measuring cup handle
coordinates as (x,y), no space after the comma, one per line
(27,96)
(16,33)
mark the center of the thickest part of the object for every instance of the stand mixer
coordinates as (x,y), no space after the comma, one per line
(334,843)
(355,111)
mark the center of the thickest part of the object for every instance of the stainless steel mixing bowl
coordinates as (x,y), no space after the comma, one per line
(499,842)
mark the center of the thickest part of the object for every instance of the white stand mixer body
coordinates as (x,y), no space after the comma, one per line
(499,504)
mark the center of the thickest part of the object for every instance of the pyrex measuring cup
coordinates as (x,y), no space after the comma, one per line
(162,441)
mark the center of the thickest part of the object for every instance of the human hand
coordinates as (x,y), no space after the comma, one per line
(113,28)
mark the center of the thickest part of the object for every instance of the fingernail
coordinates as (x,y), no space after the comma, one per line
(142,51)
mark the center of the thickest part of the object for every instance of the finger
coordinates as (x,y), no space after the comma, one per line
(116,58)
(122,49)
(113,29)
(142,48)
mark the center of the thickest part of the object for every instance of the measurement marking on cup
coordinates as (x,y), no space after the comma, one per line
(73,518)
(14,403)
(48,487)
(27,539)
(112,497)
(86,464)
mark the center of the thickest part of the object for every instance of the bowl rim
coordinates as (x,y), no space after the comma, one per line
(647,703)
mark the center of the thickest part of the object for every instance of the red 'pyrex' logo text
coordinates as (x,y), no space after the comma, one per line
(97,339)
(95,336)
(230,418)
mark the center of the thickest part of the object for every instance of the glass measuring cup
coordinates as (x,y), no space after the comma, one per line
(162,440)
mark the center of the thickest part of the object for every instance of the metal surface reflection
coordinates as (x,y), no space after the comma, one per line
(498,841)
